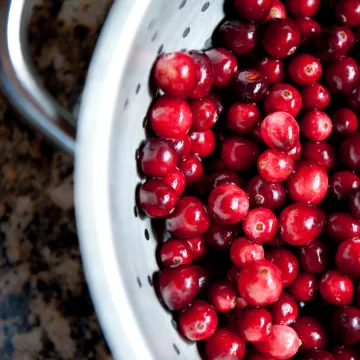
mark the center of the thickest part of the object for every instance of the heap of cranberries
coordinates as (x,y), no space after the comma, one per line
(253,164)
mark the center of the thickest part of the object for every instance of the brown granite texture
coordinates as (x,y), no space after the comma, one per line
(45,308)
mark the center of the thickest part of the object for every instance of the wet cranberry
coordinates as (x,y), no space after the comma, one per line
(242,118)
(354,203)
(342,226)
(316,125)
(176,180)
(304,287)
(317,355)
(176,74)
(243,252)
(218,101)
(281,38)
(283,97)
(253,10)
(309,28)
(158,158)
(256,133)
(197,246)
(239,154)
(342,183)
(175,252)
(311,333)
(260,283)
(273,69)
(225,177)
(222,295)
(346,325)
(305,69)
(221,237)
(354,99)
(228,204)
(233,275)
(308,183)
(183,146)
(345,353)
(199,321)
(204,114)
(189,219)
(314,257)
(275,166)
(345,121)
(321,152)
(348,12)
(202,142)
(315,97)
(295,152)
(285,311)
(192,168)
(224,64)
(303,8)
(348,258)
(350,152)
(277,11)
(275,242)
(301,223)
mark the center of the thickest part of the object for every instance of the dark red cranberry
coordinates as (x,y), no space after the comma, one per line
(243,252)
(345,353)
(342,183)
(295,152)
(305,69)
(275,166)
(321,152)
(280,131)
(283,97)
(224,64)
(342,226)
(158,158)
(301,223)
(348,12)
(275,242)
(265,194)
(225,344)
(228,204)
(217,100)
(273,69)
(242,118)
(256,133)
(204,114)
(183,146)
(315,97)
(253,10)
(354,99)
(309,28)
(281,38)
(285,311)
(348,258)
(277,11)
(249,85)
(192,168)
(175,252)
(197,245)
(350,152)
(199,321)
(311,333)
(176,74)
(314,257)
(354,203)
(189,219)
(202,142)
(221,237)
(222,295)
(303,8)
(318,355)
(176,180)
(239,154)
(260,283)
(345,121)
(316,125)
(346,325)
(233,275)
(225,177)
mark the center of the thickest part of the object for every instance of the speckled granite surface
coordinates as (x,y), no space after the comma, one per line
(45,309)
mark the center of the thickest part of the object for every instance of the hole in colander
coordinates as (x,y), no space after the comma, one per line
(160,49)
(174,324)
(208,43)
(150,280)
(205,6)
(139,282)
(182,4)
(151,24)
(154,36)
(176,349)
(186,32)
(136,212)
(126,103)
(138,88)
(147,235)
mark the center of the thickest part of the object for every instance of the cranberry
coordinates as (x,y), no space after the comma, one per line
(309,29)
(316,125)
(342,183)
(233,275)
(342,226)
(243,252)
(175,252)
(253,10)
(242,118)
(305,69)
(176,74)
(239,154)
(314,257)
(315,97)
(265,194)
(348,12)
(202,142)
(283,97)
(228,204)
(260,283)
(158,158)
(182,146)
(219,103)
(345,121)
(176,180)
(189,219)
(192,168)
(301,223)
(304,287)
(346,325)
(222,295)
(225,177)
(348,258)
(350,152)
(249,85)
(311,333)
(197,246)
(308,183)
(303,8)
(199,321)
(354,99)
(345,353)
(295,152)
(273,69)
(221,237)
(277,11)
(276,347)
(225,344)
(224,64)
(204,114)
(285,311)
(321,152)
(281,38)
(354,203)
(286,261)
(275,166)
(318,355)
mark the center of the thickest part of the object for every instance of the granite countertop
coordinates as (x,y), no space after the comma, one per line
(45,308)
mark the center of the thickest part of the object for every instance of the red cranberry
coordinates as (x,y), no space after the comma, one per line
(295,152)
(224,177)
(305,69)
(216,99)
(239,154)
(192,168)
(253,10)
(348,12)
(301,223)
(256,133)
(350,152)
(342,183)
(304,287)
(336,289)
(197,246)
(249,85)
(285,311)
(308,183)
(260,283)
(228,204)
(273,69)
(342,226)
(276,347)
(303,8)
(286,261)
(199,321)
(222,295)
(175,252)
(176,74)
(316,125)
(275,166)
(189,219)
(243,252)
(176,180)
(321,152)
(242,118)
(202,142)
(315,97)
(314,257)
(354,203)
(311,333)
(275,242)
(281,38)
(345,121)
(318,355)
(224,64)
(283,97)
(158,158)
(345,353)
(346,325)
(204,114)
(309,29)
(225,344)
(277,11)
(221,237)
(348,258)
(183,146)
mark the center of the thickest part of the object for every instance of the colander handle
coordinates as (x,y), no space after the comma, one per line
(21,85)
